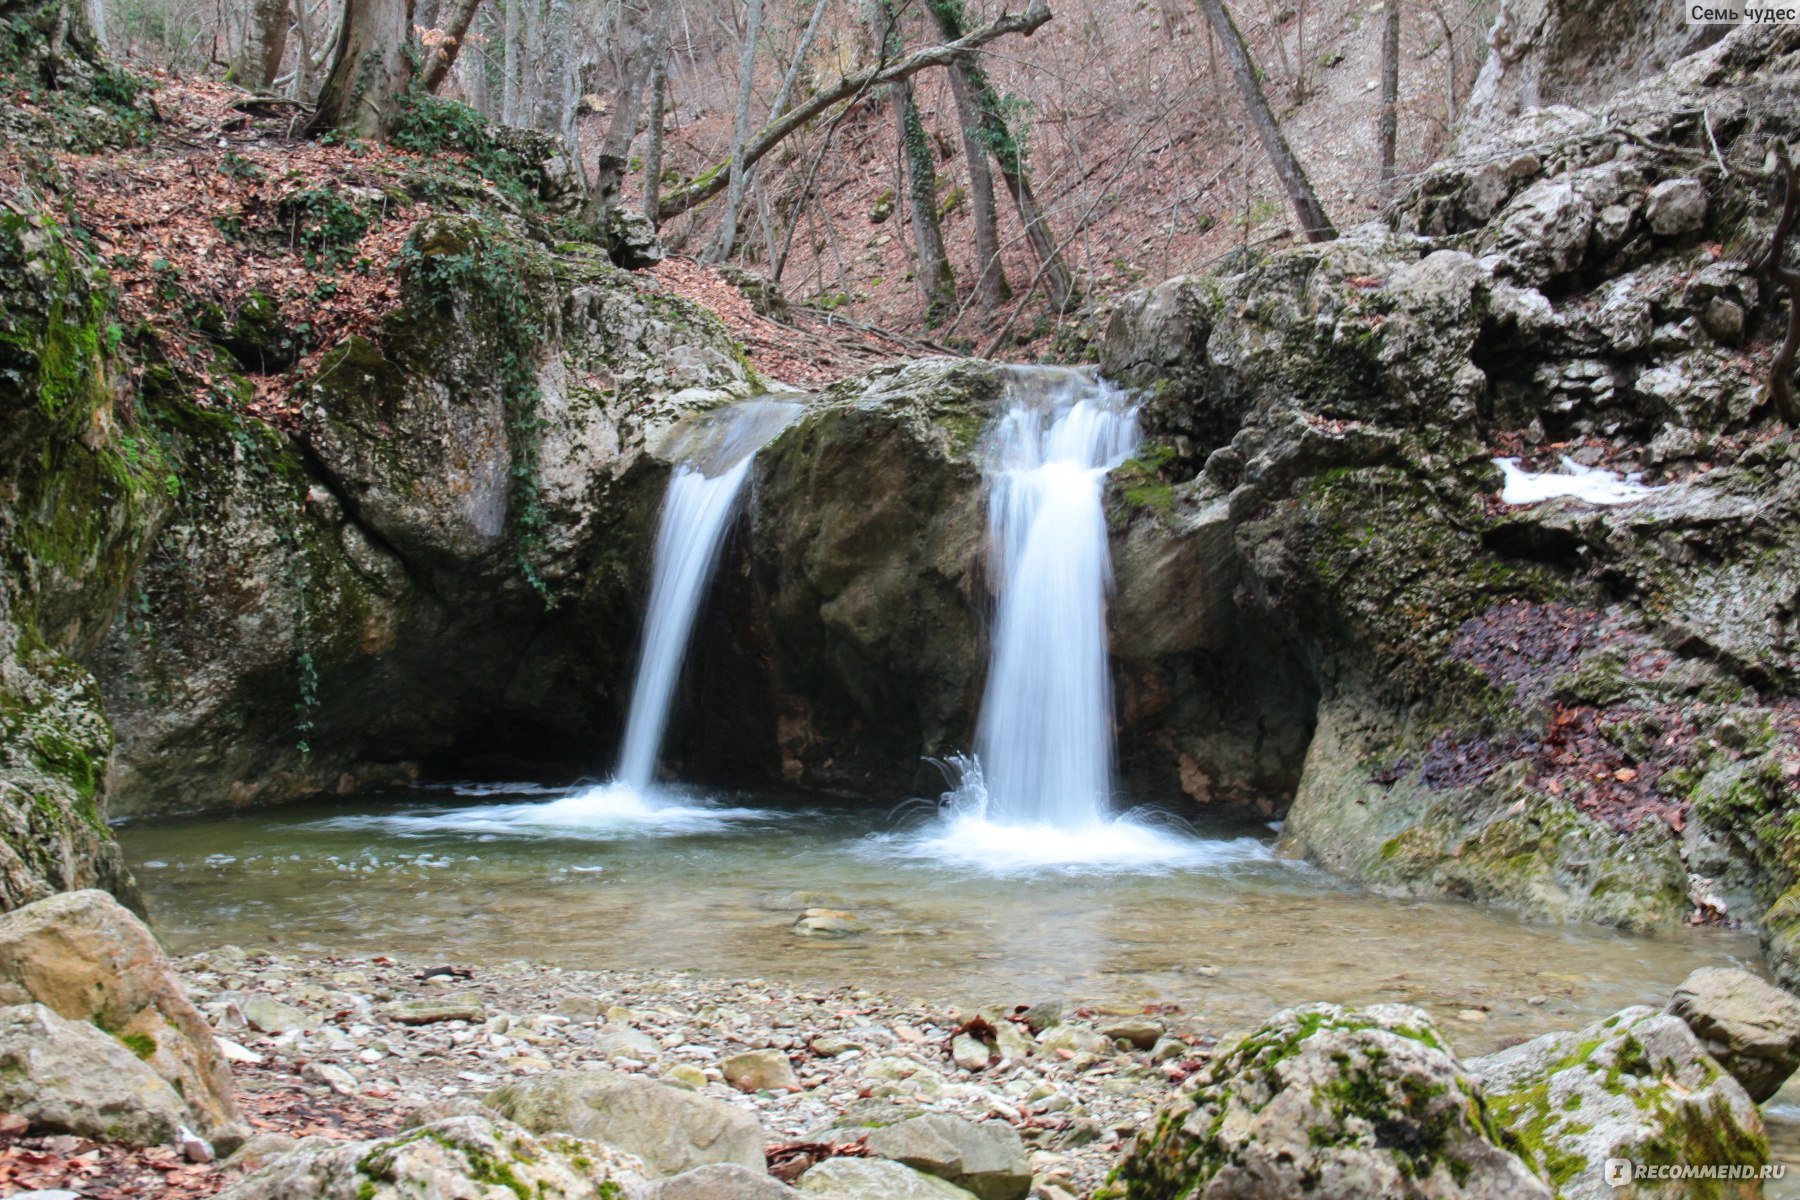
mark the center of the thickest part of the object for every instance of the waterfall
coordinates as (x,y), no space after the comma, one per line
(1045,735)
(715,460)
(1037,793)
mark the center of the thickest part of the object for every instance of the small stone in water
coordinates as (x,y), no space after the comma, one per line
(828,922)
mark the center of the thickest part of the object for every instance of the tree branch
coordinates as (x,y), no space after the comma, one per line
(712,182)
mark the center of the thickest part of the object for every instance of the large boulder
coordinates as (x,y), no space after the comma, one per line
(866,544)
(1748,1027)
(1323,1101)
(984,1157)
(85,958)
(875,1179)
(722,1181)
(670,1129)
(69,1077)
(468,1158)
(1634,1086)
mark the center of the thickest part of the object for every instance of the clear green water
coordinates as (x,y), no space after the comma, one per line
(1227,931)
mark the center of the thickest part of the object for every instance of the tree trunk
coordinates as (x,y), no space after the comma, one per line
(937,283)
(554,110)
(659,92)
(612,159)
(511,88)
(471,71)
(994,134)
(440,58)
(740,136)
(1307,209)
(1388,129)
(991,287)
(370,68)
(259,58)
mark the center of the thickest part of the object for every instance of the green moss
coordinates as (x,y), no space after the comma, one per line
(140,1044)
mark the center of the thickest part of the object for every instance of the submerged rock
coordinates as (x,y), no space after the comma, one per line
(1636,1086)
(1748,1027)
(460,1157)
(670,1129)
(1325,1101)
(87,959)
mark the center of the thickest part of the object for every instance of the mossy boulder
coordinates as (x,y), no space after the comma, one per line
(1326,1101)
(82,490)
(459,1156)
(1636,1086)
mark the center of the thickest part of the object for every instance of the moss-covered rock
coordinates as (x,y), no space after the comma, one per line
(1637,1086)
(1325,1101)
(82,489)
(459,1156)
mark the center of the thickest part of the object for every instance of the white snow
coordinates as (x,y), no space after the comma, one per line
(1594,485)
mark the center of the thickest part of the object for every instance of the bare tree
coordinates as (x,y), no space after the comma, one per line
(1311,214)
(371,66)
(259,55)
(612,159)
(937,283)
(740,136)
(996,134)
(1388,128)
(991,287)
(659,92)
(711,183)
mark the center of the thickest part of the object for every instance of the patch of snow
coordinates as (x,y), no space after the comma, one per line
(1593,485)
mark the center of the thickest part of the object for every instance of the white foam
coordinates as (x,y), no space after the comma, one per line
(967,835)
(607,812)
(1122,844)
(1594,485)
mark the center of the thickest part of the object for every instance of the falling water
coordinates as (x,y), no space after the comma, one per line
(1045,738)
(1038,791)
(703,492)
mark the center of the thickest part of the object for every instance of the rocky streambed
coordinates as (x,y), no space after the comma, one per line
(262,1076)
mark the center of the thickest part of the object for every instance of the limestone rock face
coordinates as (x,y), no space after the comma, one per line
(460,1157)
(1321,424)
(1324,1101)
(78,504)
(1545,52)
(671,1130)
(84,957)
(1637,1086)
(69,1077)
(487,478)
(1748,1027)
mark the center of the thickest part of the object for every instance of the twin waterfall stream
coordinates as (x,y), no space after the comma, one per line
(1033,876)
(1039,789)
